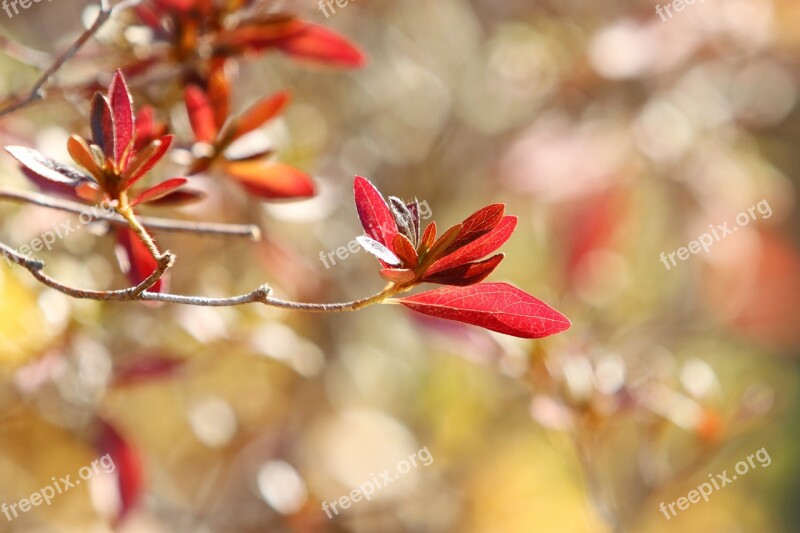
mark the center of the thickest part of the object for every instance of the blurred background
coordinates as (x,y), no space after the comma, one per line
(615,134)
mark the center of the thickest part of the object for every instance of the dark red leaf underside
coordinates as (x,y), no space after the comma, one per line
(45,167)
(478,224)
(480,247)
(102,125)
(468,274)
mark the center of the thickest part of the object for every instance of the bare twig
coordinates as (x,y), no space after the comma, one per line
(37,91)
(154,223)
(35,267)
(140,293)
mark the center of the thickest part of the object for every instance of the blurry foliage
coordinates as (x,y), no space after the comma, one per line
(613,136)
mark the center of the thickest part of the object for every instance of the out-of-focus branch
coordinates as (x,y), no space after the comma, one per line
(249,231)
(105,12)
(23,54)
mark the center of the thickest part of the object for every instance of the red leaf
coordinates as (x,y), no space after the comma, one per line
(122,112)
(159,191)
(145,160)
(429,236)
(321,44)
(175,5)
(480,247)
(146,368)
(201,114)
(478,224)
(398,276)
(127,465)
(135,260)
(258,34)
(81,153)
(374,213)
(219,94)
(178,198)
(148,15)
(271,181)
(405,251)
(52,187)
(468,274)
(45,167)
(262,111)
(147,129)
(496,306)
(102,125)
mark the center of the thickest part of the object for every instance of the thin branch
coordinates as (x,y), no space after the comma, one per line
(261,295)
(37,91)
(35,267)
(142,234)
(140,293)
(23,54)
(154,223)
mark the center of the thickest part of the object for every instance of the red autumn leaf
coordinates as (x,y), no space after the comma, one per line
(201,114)
(219,95)
(479,223)
(159,191)
(178,198)
(146,159)
(269,181)
(405,251)
(136,261)
(122,112)
(374,213)
(147,129)
(82,154)
(480,247)
(45,167)
(146,368)
(258,34)
(127,465)
(102,124)
(321,44)
(261,112)
(398,276)
(495,306)
(466,274)
(176,5)
(429,236)
(150,17)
